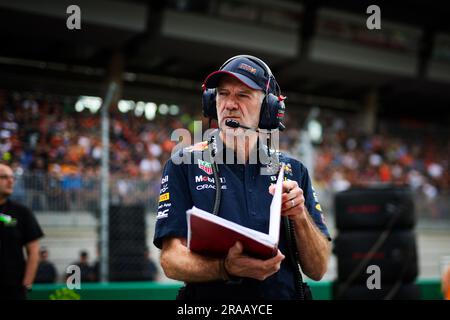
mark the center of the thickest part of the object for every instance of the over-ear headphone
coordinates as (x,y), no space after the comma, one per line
(272,107)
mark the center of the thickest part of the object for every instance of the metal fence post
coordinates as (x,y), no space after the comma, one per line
(104,199)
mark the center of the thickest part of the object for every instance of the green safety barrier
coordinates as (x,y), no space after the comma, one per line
(430,290)
(106,291)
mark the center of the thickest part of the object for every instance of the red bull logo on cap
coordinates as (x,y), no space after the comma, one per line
(248,68)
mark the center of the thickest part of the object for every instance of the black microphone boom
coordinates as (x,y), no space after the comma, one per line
(232,123)
(235,124)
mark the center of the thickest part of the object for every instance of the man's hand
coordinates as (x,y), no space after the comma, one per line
(292,200)
(313,247)
(240,265)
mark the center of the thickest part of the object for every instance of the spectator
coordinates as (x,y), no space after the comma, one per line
(19,230)
(87,272)
(46,272)
(96,267)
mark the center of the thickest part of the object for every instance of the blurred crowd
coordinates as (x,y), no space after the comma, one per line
(346,157)
(44,135)
(414,157)
(58,151)
(88,272)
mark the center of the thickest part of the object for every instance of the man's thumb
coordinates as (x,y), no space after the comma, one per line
(271,189)
(237,248)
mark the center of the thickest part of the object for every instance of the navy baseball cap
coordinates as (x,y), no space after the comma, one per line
(250,73)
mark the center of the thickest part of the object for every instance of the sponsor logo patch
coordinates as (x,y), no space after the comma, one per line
(207,179)
(164,205)
(248,68)
(316,198)
(208,186)
(163,189)
(205,166)
(7,220)
(162,214)
(288,169)
(164,197)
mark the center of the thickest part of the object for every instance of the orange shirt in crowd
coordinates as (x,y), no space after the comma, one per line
(75,153)
(67,169)
(385,173)
(168,145)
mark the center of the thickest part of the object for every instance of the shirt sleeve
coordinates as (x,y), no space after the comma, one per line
(31,228)
(312,201)
(174,200)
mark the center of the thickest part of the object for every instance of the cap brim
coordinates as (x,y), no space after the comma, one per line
(212,80)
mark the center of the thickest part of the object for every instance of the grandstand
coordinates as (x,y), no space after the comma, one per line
(380,99)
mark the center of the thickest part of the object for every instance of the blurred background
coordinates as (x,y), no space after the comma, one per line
(365,108)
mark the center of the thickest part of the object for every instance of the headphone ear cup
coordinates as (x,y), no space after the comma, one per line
(272,112)
(209,103)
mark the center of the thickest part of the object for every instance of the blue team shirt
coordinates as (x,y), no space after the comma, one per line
(246,201)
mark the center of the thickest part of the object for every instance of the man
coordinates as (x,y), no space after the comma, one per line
(86,270)
(242,85)
(46,272)
(18,229)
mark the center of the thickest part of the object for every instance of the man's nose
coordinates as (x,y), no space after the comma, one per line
(231,104)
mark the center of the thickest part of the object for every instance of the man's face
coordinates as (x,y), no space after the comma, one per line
(44,256)
(6,180)
(84,258)
(237,101)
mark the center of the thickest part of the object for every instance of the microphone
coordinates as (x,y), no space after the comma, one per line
(235,124)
